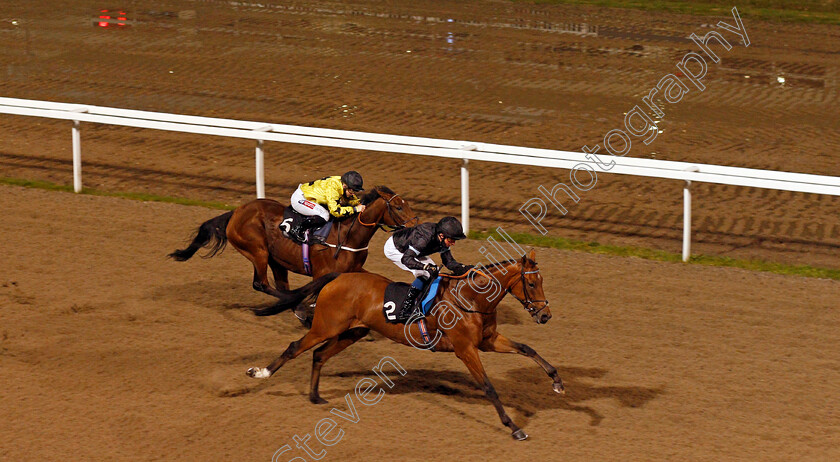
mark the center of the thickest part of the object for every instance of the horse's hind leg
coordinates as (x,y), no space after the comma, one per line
(326,351)
(501,344)
(293,351)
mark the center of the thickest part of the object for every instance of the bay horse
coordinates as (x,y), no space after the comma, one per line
(348,306)
(253,230)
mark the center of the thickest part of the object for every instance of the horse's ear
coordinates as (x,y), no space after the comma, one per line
(532,255)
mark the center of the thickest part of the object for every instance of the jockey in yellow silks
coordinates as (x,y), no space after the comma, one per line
(319,199)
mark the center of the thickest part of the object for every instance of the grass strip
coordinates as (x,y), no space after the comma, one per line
(521,238)
(49,186)
(808,11)
(661,255)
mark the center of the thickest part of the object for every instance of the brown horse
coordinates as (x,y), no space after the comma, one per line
(253,230)
(349,305)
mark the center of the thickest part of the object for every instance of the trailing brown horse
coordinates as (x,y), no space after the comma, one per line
(253,230)
(349,305)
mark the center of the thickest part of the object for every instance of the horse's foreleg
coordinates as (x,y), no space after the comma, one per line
(260,259)
(501,344)
(326,351)
(469,355)
(293,351)
(249,240)
(281,274)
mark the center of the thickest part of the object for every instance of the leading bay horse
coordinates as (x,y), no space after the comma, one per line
(349,305)
(253,230)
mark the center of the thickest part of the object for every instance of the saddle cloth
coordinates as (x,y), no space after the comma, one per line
(395,295)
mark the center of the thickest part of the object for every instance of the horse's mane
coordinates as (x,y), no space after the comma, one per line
(373,194)
(500,263)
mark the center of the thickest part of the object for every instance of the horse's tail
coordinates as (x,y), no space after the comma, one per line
(303,296)
(211,233)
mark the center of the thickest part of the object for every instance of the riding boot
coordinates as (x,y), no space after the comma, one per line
(408,305)
(314,222)
(298,232)
(321,230)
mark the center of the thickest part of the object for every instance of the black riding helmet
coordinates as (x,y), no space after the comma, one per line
(450,227)
(353,180)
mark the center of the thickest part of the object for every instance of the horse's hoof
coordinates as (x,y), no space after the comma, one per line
(558,388)
(258,373)
(318,400)
(519,435)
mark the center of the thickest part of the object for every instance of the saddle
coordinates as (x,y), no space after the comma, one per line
(395,295)
(292,219)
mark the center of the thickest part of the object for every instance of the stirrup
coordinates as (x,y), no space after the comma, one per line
(415,313)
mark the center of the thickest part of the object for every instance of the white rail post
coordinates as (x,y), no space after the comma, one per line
(465,190)
(77,157)
(260,164)
(686,249)
(465,196)
(77,153)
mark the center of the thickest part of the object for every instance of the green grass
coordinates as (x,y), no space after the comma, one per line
(660,255)
(816,11)
(126,195)
(521,238)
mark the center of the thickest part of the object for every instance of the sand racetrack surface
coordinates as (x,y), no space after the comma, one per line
(110,351)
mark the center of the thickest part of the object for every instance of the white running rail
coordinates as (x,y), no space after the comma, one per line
(464,150)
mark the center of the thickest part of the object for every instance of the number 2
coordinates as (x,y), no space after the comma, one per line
(390,307)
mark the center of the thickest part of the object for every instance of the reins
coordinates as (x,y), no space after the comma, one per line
(391,213)
(340,244)
(460,280)
(527,303)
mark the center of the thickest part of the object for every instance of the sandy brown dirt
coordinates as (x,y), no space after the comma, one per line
(558,77)
(110,351)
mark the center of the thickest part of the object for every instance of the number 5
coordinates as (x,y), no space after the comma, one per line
(286,225)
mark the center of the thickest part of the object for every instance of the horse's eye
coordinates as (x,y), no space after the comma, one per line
(399,208)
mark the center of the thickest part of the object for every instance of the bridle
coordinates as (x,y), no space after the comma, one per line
(378,225)
(394,218)
(528,302)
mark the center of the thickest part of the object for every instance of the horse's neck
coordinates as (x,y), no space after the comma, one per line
(482,298)
(359,235)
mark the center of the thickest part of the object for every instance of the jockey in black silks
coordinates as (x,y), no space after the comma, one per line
(409,249)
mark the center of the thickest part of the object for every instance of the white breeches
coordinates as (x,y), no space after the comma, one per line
(308,208)
(395,256)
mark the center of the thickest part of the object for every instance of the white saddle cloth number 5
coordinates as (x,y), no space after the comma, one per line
(286,225)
